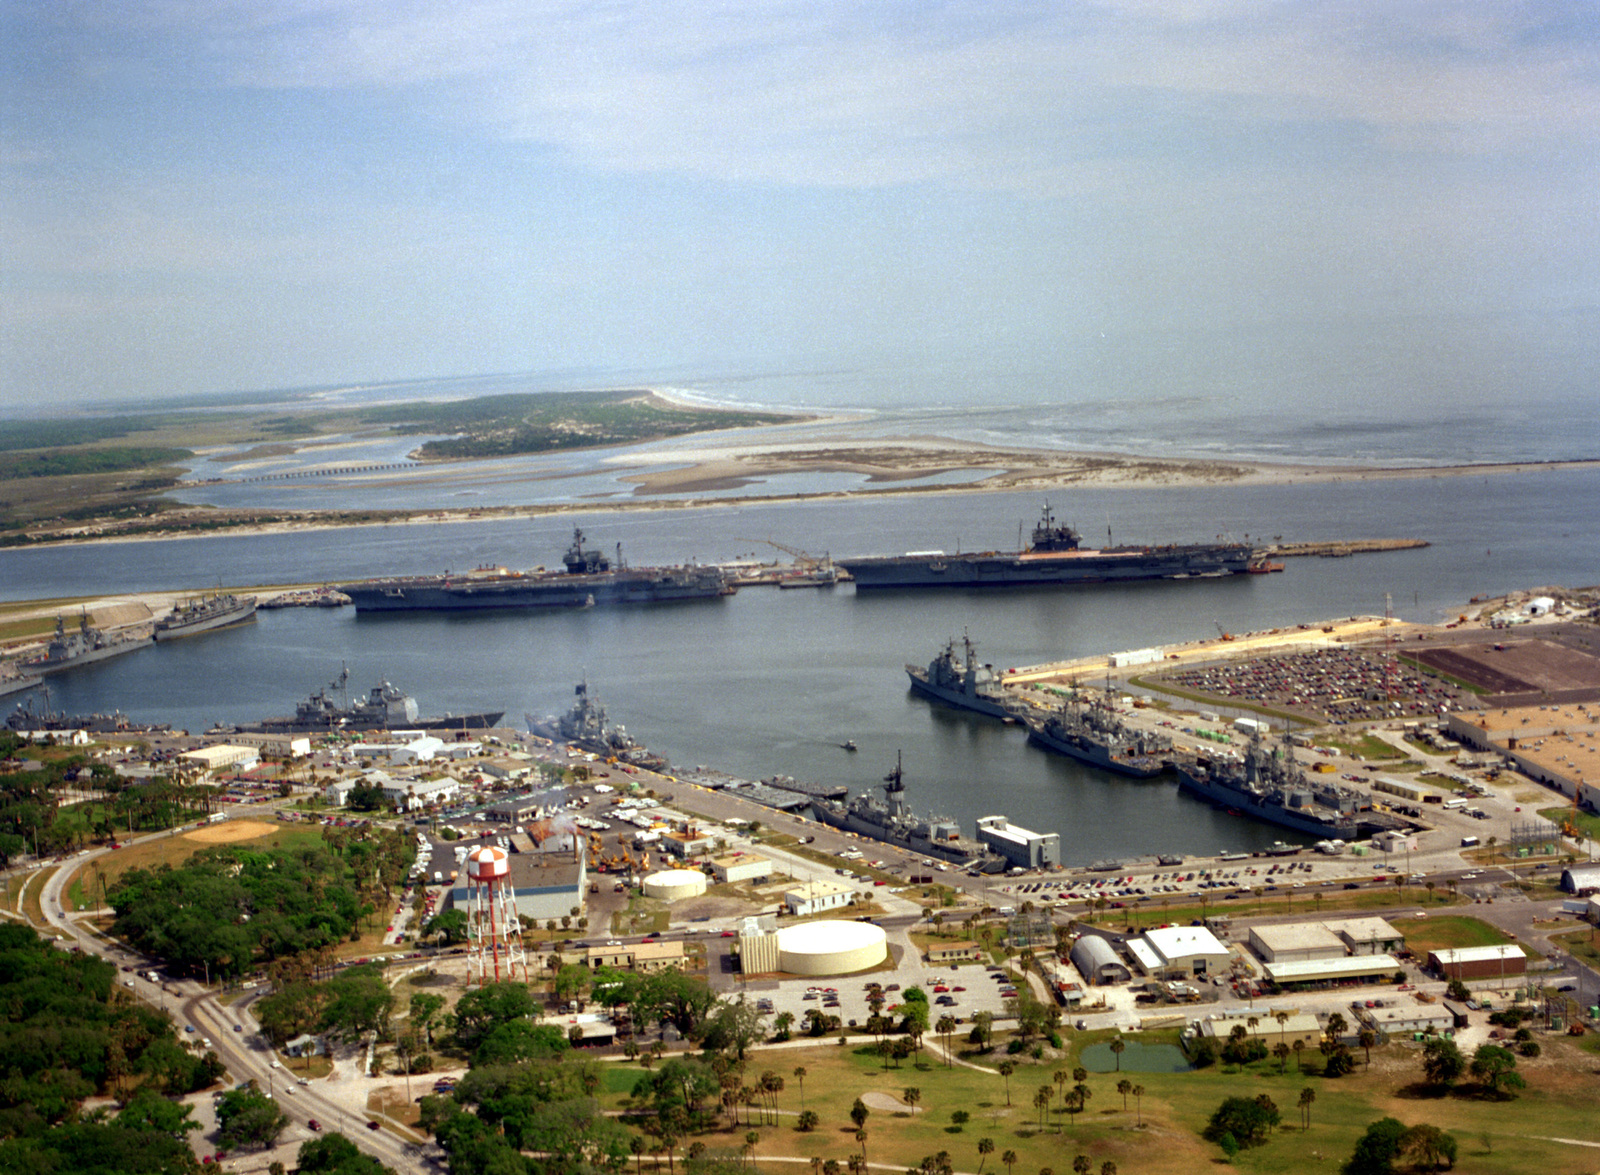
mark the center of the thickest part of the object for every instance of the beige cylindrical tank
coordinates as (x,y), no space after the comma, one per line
(831,947)
(671,885)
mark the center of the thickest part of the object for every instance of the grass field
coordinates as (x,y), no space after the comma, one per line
(1437,933)
(1157,1134)
(1367,747)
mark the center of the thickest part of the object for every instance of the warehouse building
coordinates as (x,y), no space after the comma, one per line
(1368,936)
(1504,960)
(1581,879)
(1177,952)
(1325,972)
(1098,962)
(1295,942)
(740,867)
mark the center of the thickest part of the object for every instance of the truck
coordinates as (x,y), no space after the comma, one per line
(216,818)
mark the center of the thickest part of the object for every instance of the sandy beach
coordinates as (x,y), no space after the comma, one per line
(716,463)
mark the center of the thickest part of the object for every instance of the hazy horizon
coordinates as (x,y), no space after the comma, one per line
(1335,210)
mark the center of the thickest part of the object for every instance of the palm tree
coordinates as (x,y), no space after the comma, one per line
(800,1076)
(751,1139)
(1138,1101)
(911,1097)
(1281,1051)
(636,1144)
(1367,1039)
(1283,1019)
(1299,1047)
(1007,1068)
(1041,1102)
(985,1149)
(1081,1165)
(861,1137)
(1307,1096)
(946,1028)
(1117,1046)
(816,1164)
(1109,1167)
(1124,1087)
(1009,1158)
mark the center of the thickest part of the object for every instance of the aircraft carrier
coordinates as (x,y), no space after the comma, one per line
(589,581)
(1054,556)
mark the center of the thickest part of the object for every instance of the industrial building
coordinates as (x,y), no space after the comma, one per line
(1368,936)
(1581,879)
(1177,952)
(222,757)
(1023,847)
(546,885)
(1504,960)
(952,952)
(758,945)
(1557,745)
(1296,1026)
(1295,942)
(1345,969)
(740,867)
(1408,1018)
(1098,962)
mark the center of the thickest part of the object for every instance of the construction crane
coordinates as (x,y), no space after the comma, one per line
(802,559)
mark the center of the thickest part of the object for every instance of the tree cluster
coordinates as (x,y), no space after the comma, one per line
(67,1032)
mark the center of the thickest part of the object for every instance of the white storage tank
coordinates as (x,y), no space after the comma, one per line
(831,947)
(671,885)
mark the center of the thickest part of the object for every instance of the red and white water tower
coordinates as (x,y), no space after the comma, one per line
(494,933)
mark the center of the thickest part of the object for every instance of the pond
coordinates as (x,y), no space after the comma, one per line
(1136,1058)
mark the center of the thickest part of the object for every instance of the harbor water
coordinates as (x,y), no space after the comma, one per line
(774,681)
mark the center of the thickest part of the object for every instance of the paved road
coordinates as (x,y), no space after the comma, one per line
(245,1054)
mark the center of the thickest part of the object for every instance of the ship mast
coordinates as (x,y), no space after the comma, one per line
(894,789)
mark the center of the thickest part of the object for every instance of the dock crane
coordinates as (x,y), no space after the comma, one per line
(803,560)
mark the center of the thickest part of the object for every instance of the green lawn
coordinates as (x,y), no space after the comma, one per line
(1366,747)
(1173,1111)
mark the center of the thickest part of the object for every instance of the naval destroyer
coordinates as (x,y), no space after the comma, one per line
(68,650)
(1094,733)
(890,821)
(384,708)
(1054,556)
(962,681)
(586,725)
(589,581)
(1269,785)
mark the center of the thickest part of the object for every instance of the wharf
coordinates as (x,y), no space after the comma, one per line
(1343,548)
(1299,638)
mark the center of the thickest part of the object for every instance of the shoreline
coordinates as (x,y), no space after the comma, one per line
(884,463)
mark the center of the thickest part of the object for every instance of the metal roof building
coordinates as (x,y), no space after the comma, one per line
(1098,962)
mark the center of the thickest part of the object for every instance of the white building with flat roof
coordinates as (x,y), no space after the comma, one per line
(1023,847)
(1172,952)
(1288,942)
(1368,936)
(813,897)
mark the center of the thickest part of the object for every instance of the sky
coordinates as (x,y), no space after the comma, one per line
(1333,200)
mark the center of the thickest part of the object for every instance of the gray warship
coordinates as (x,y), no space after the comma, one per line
(890,821)
(206,614)
(26,718)
(1053,557)
(1270,785)
(585,725)
(961,681)
(68,650)
(589,581)
(1092,732)
(384,708)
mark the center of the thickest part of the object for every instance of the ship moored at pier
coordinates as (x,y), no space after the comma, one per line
(1092,732)
(586,725)
(1268,784)
(206,614)
(889,820)
(589,581)
(959,680)
(1054,556)
(384,708)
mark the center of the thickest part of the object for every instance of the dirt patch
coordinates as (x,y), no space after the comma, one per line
(878,1100)
(229,831)
(1517,666)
